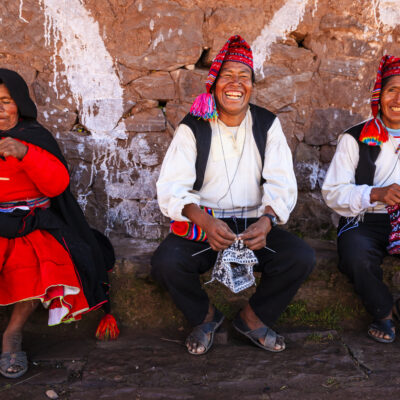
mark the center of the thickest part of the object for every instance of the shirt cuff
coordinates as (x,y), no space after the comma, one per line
(366,198)
(360,199)
(176,206)
(280,209)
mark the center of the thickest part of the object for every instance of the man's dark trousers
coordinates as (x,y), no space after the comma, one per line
(282,273)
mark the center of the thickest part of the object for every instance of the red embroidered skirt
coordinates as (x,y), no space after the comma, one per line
(37,266)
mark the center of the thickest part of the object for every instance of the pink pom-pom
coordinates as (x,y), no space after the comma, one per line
(204,107)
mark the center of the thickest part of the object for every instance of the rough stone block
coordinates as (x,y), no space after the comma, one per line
(156,86)
(327,124)
(148,148)
(330,22)
(224,20)
(146,35)
(128,75)
(348,67)
(189,83)
(175,112)
(327,153)
(152,120)
(283,92)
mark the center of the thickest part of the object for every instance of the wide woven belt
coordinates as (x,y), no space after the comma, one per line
(29,204)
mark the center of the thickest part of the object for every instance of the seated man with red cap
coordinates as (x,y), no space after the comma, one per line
(227,180)
(362,185)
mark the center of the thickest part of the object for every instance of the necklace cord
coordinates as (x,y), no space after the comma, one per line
(229,190)
(397,160)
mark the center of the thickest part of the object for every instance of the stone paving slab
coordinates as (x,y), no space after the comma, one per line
(316,365)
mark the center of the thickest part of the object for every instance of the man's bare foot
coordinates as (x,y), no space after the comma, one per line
(12,342)
(198,341)
(378,333)
(253,322)
(12,336)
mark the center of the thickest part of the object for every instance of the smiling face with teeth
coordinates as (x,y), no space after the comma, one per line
(390,103)
(232,92)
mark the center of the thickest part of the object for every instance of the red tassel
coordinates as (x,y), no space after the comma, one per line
(374,133)
(107,329)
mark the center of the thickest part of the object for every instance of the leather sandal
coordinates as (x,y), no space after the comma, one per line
(386,327)
(269,336)
(9,360)
(203,334)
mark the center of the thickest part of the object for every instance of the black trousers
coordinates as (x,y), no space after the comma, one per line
(282,272)
(361,251)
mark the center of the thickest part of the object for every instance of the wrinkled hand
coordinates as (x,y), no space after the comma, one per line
(12,148)
(255,236)
(219,234)
(389,195)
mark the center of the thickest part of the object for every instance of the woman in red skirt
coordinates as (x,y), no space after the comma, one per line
(48,253)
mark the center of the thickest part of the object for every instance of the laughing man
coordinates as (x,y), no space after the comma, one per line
(228,176)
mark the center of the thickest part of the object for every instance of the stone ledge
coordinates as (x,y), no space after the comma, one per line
(325,300)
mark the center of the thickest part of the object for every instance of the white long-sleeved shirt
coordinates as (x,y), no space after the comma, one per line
(234,156)
(339,189)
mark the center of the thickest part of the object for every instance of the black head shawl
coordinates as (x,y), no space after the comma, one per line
(19,92)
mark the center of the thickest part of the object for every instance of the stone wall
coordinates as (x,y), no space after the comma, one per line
(112,78)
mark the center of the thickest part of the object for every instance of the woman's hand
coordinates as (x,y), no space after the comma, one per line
(389,195)
(12,148)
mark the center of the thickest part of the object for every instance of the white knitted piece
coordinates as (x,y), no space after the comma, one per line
(234,267)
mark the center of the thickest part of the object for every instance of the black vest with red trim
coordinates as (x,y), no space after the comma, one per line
(366,167)
(262,121)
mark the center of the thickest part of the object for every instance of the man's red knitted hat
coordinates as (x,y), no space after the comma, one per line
(235,49)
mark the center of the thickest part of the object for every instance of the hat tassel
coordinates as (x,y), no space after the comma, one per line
(108,328)
(204,107)
(374,133)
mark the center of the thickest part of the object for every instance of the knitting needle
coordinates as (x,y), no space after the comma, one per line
(202,251)
(269,249)
(208,248)
(4,179)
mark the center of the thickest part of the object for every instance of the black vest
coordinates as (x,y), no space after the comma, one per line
(262,121)
(366,167)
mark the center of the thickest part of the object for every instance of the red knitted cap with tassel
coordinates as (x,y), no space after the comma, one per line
(235,49)
(374,133)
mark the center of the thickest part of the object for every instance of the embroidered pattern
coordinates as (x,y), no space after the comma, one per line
(394,237)
(9,207)
(234,267)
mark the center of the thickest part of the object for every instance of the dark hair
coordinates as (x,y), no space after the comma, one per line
(386,80)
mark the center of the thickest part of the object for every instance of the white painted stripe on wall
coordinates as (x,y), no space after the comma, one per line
(389,12)
(89,68)
(285,20)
